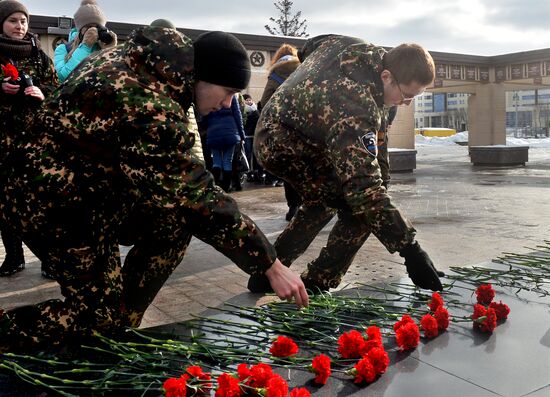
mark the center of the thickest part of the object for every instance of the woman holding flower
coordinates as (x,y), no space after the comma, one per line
(28,77)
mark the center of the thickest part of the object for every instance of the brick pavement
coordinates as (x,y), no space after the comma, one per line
(464,215)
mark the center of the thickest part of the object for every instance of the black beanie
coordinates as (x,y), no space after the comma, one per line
(221,59)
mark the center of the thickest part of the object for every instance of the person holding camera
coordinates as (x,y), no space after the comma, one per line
(28,77)
(88,36)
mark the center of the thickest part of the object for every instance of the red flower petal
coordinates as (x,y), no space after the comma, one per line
(485,294)
(321,366)
(442,317)
(436,302)
(429,326)
(300,392)
(501,309)
(408,336)
(350,344)
(283,347)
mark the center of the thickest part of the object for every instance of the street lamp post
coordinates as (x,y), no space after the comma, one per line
(515,97)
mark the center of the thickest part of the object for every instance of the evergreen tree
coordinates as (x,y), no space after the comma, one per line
(287,24)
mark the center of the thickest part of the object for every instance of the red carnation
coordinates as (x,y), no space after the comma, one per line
(300,392)
(374,339)
(243,372)
(320,366)
(485,294)
(407,336)
(228,386)
(436,302)
(442,317)
(364,371)
(501,309)
(196,372)
(175,387)
(406,319)
(260,375)
(283,347)
(10,72)
(429,326)
(373,333)
(351,344)
(484,319)
(479,311)
(379,360)
(277,387)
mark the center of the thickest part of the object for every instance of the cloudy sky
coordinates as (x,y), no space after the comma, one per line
(478,27)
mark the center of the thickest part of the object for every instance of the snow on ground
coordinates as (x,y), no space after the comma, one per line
(533,143)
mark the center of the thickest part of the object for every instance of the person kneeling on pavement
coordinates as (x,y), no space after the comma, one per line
(319,132)
(111,160)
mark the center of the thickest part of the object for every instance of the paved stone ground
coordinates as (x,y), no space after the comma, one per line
(464,215)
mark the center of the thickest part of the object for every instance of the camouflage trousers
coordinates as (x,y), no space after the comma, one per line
(82,244)
(302,164)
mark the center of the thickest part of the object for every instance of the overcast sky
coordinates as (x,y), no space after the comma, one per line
(478,27)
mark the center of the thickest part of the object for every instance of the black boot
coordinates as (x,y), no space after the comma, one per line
(236,181)
(217,173)
(14,261)
(225,183)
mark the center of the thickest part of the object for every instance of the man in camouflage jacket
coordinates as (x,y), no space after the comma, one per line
(112,160)
(320,132)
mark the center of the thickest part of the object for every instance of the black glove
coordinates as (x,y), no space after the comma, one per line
(420,268)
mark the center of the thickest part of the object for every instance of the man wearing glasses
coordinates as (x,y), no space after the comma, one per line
(320,132)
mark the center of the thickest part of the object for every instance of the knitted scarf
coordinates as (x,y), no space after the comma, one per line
(16,49)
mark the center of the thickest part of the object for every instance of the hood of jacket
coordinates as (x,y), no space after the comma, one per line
(163,57)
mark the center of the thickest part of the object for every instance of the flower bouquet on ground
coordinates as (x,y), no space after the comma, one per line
(353,336)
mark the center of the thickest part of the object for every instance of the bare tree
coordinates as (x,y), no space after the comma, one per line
(287,24)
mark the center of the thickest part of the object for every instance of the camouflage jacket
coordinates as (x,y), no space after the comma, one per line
(335,99)
(119,129)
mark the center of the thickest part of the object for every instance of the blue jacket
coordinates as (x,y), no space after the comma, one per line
(224,127)
(64,68)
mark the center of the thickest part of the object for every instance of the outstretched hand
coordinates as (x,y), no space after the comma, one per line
(286,284)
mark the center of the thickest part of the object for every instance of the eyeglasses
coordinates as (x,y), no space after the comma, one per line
(405,97)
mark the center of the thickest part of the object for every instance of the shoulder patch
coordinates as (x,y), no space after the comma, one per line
(369,143)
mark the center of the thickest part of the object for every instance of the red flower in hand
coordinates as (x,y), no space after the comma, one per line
(407,336)
(321,367)
(277,387)
(379,360)
(175,387)
(501,309)
(351,344)
(300,392)
(364,371)
(485,294)
(436,302)
(10,72)
(283,347)
(429,326)
(228,386)
(442,317)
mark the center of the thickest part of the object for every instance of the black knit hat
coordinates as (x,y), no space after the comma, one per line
(8,7)
(221,59)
